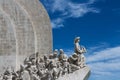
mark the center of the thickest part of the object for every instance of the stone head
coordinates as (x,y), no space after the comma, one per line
(61,51)
(77,39)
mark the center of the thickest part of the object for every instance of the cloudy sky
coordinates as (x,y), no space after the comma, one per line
(97,22)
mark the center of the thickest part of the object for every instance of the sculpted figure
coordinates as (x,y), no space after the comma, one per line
(8,74)
(22,74)
(83,60)
(49,67)
(62,56)
(54,55)
(41,69)
(60,68)
(47,62)
(80,51)
(74,59)
(32,69)
(74,62)
(18,75)
(54,70)
(66,67)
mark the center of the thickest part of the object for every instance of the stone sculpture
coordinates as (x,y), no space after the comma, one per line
(48,67)
(25,29)
(79,50)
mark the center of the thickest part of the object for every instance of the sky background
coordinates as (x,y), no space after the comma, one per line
(97,22)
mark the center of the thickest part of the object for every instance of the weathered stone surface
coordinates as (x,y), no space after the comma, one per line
(24,29)
(81,74)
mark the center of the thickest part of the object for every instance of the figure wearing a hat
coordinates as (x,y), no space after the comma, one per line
(80,50)
(77,46)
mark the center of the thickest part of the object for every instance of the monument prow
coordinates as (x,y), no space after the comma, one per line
(82,74)
(26,46)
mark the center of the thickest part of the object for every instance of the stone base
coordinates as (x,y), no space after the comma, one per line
(81,74)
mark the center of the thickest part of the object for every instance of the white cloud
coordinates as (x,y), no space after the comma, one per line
(68,9)
(105,62)
(69,52)
(59,5)
(109,53)
(57,23)
(79,10)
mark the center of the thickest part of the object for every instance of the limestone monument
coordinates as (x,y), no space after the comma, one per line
(26,46)
(24,29)
(54,66)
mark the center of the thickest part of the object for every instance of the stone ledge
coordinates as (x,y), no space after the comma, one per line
(81,74)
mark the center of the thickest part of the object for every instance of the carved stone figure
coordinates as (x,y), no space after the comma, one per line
(59,68)
(83,64)
(18,75)
(54,55)
(25,76)
(54,71)
(80,51)
(66,67)
(74,62)
(62,56)
(8,74)
(32,69)
(48,67)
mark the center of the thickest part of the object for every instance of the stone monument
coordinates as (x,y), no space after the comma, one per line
(24,29)
(26,46)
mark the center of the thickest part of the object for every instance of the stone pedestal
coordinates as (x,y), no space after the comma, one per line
(81,74)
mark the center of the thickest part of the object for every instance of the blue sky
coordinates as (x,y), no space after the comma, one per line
(97,22)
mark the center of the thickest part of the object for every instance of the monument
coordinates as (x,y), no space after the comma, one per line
(24,29)
(26,46)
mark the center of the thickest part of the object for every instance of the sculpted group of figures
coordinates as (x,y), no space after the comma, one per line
(48,67)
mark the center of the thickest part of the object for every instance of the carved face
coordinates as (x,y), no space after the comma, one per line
(33,61)
(78,40)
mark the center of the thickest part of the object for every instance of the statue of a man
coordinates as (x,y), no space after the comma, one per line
(80,50)
(32,69)
(54,55)
(62,56)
